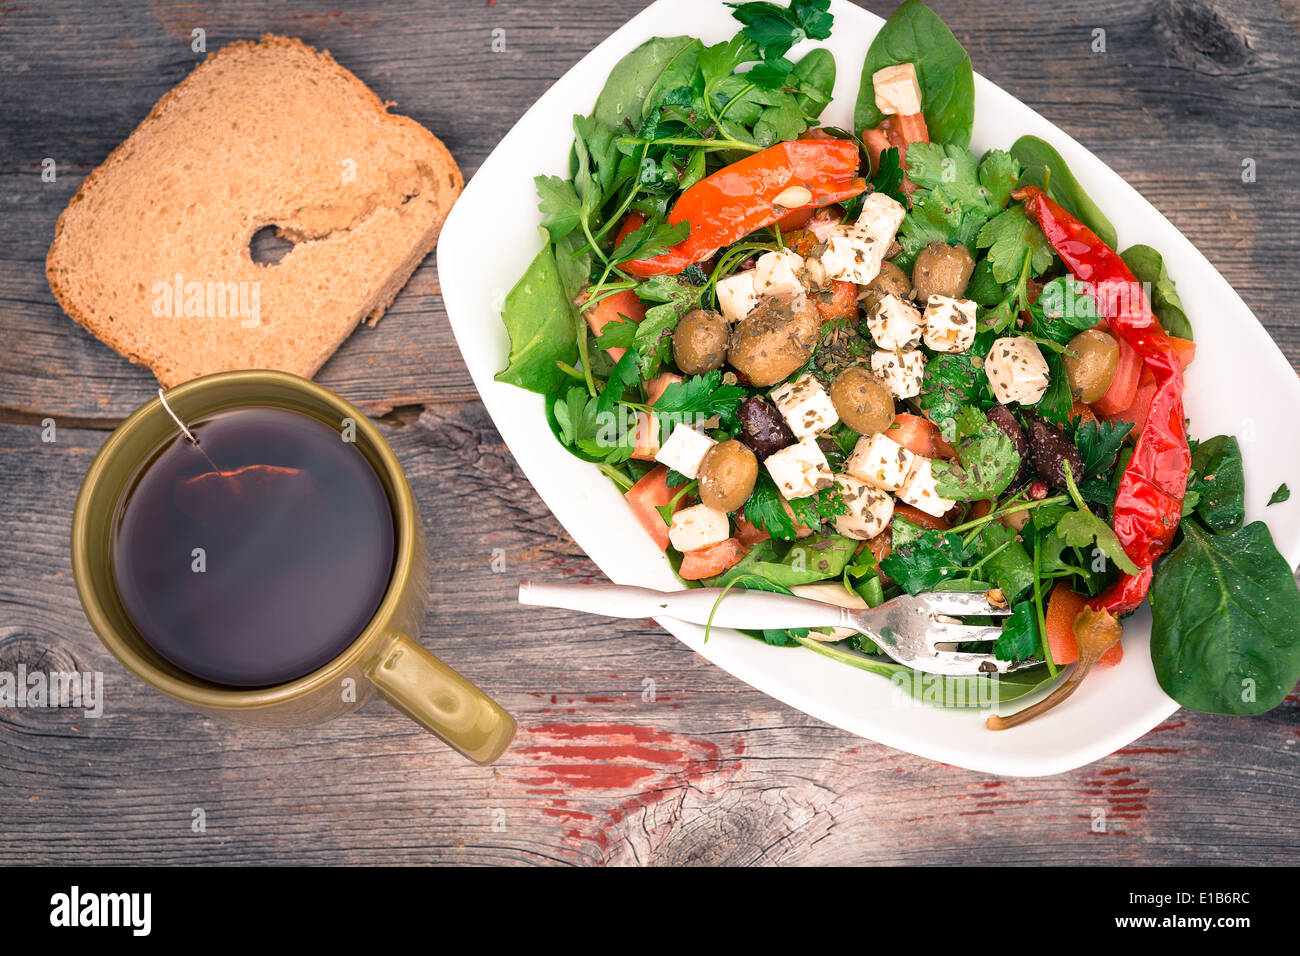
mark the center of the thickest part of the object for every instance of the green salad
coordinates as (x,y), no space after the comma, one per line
(849,364)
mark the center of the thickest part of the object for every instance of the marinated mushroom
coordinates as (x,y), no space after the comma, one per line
(891,281)
(727,475)
(1091,359)
(941,269)
(862,401)
(775,339)
(700,341)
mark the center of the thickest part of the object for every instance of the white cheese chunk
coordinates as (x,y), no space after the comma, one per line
(869,509)
(684,450)
(902,372)
(895,324)
(698,527)
(799,470)
(777,273)
(737,295)
(897,91)
(919,490)
(806,406)
(1017,370)
(854,253)
(880,462)
(949,324)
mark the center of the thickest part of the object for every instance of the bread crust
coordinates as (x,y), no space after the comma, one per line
(357,243)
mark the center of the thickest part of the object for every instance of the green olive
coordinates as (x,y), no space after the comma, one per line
(941,269)
(890,281)
(1090,362)
(700,342)
(727,475)
(862,401)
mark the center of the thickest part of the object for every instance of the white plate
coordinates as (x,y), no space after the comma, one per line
(1240,384)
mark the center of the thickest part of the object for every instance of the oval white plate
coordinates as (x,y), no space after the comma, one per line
(1240,384)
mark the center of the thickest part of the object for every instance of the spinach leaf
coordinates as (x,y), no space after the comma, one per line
(817,558)
(1148,266)
(541,321)
(940,690)
(1009,566)
(1220,485)
(1225,635)
(915,34)
(1019,638)
(1038,159)
(813,80)
(621,104)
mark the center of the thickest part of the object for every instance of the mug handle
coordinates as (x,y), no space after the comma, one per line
(441,700)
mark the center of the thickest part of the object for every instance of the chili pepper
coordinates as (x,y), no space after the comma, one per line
(730,204)
(1148,505)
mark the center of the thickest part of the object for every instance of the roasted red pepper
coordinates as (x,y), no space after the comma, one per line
(1149,503)
(731,203)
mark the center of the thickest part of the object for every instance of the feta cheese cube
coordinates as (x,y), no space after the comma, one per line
(777,273)
(949,324)
(1017,370)
(806,406)
(919,490)
(897,91)
(737,295)
(895,324)
(799,470)
(854,253)
(684,450)
(869,509)
(880,462)
(902,372)
(698,527)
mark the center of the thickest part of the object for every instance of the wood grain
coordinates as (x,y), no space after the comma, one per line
(704,769)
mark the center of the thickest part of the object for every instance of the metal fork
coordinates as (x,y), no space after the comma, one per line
(919,631)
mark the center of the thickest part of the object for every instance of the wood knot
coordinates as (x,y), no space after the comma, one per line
(1198,35)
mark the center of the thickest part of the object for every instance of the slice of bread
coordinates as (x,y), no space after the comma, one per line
(152,253)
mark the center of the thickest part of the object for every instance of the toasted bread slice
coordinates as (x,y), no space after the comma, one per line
(152,253)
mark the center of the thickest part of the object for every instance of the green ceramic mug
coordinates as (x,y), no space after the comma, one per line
(385,656)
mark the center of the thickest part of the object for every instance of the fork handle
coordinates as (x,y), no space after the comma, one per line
(749,610)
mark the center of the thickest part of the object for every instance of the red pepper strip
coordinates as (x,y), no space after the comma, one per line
(1149,503)
(730,204)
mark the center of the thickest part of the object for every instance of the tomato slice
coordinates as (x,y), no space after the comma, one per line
(1123,387)
(1062,606)
(920,436)
(1185,348)
(615,308)
(749,534)
(843,301)
(710,561)
(898,131)
(918,517)
(1138,410)
(646,497)
(647,426)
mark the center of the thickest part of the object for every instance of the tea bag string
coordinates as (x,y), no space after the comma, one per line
(185,431)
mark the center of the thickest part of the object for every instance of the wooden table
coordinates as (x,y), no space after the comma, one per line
(704,770)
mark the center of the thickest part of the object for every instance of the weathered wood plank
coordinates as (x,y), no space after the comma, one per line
(705,770)
(1185,93)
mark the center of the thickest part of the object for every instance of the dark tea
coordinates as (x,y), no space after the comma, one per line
(258,555)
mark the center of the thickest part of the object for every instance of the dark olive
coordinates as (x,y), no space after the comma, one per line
(1005,420)
(1049,449)
(700,341)
(862,401)
(762,428)
(941,269)
(1090,364)
(727,475)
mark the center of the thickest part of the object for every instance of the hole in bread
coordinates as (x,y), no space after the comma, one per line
(267,248)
